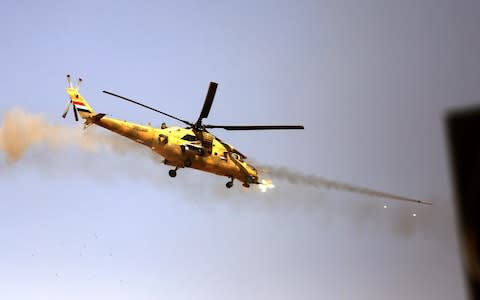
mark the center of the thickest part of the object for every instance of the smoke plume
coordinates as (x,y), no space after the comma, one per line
(316,181)
(30,139)
(21,131)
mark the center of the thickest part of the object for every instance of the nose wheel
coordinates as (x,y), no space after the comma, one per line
(172,173)
(229,184)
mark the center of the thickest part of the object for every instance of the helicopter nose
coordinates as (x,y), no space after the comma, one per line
(252,176)
(251,179)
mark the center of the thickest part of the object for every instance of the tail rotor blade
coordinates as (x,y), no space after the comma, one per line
(75,112)
(66,110)
(69,81)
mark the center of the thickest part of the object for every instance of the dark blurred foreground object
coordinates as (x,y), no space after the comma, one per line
(464,137)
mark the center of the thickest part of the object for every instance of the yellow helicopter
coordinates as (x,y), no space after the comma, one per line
(190,147)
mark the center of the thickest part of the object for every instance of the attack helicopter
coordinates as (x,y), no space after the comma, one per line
(192,146)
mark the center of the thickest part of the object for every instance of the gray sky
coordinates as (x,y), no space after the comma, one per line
(370,80)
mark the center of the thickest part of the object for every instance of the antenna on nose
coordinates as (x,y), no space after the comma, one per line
(78,83)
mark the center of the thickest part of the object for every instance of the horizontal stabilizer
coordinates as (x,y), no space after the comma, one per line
(94,119)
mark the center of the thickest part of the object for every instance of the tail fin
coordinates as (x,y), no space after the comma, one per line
(81,105)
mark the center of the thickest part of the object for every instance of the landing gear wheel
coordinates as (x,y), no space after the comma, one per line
(172,173)
(246,185)
(229,184)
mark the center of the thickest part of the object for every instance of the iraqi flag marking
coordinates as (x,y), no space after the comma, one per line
(81,107)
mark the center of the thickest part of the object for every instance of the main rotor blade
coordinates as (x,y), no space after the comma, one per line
(212,88)
(66,110)
(256,127)
(148,107)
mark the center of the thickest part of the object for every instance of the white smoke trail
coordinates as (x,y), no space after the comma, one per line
(316,181)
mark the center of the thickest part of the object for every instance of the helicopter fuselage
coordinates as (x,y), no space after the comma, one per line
(182,147)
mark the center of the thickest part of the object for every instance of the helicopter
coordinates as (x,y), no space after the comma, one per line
(192,146)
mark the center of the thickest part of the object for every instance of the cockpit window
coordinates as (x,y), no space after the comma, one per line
(190,138)
(237,157)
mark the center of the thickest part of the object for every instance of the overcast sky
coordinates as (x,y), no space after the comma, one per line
(370,80)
